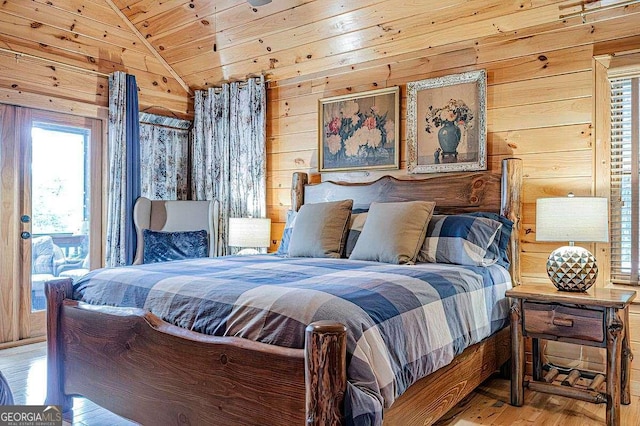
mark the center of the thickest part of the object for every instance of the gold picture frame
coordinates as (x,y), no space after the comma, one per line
(359,131)
(446,123)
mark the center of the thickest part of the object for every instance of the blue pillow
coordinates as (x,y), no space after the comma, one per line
(355,229)
(503,238)
(164,246)
(461,240)
(283,249)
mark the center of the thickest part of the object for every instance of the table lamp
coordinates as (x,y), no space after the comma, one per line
(572,219)
(249,232)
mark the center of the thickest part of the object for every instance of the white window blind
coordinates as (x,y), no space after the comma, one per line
(625,162)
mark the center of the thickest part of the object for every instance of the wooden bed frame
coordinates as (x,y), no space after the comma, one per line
(138,366)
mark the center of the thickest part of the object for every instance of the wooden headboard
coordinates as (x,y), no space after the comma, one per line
(453,193)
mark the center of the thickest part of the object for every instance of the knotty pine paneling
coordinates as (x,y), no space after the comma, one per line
(540,108)
(84,35)
(556,88)
(108,31)
(530,141)
(413,32)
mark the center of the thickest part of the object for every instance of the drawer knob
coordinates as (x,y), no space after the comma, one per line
(562,322)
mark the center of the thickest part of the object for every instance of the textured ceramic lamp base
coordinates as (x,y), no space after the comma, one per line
(572,268)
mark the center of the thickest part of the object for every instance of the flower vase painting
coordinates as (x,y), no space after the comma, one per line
(359,131)
(446,128)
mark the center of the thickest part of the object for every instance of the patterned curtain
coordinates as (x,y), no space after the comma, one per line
(124,169)
(164,147)
(229,154)
(247,150)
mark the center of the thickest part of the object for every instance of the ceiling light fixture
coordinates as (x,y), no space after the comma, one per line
(256,3)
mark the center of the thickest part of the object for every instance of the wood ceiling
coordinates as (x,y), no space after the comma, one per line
(175,45)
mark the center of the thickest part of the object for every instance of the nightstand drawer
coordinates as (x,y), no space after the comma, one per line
(562,321)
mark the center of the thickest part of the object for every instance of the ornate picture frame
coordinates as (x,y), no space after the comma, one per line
(359,131)
(446,123)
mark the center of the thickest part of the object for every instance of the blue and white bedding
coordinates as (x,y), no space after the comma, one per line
(403,321)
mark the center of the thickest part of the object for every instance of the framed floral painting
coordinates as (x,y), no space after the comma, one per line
(446,123)
(359,131)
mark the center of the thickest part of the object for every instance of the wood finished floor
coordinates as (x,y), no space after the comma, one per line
(25,369)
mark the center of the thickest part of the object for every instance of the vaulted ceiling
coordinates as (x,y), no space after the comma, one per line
(177,46)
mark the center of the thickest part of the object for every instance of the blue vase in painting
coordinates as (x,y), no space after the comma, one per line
(449,138)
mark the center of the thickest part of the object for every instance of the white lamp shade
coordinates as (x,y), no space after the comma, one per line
(249,232)
(583,219)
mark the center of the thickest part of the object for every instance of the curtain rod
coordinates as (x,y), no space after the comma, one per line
(52,61)
(217,89)
(166,126)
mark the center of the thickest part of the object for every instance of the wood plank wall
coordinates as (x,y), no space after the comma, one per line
(540,108)
(86,35)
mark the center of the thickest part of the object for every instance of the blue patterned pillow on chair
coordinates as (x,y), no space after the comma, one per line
(461,240)
(164,246)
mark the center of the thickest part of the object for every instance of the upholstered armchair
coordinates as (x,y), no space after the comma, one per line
(175,216)
(74,270)
(46,257)
(46,261)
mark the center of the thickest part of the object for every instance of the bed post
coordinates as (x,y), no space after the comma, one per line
(325,363)
(299,180)
(56,292)
(511,208)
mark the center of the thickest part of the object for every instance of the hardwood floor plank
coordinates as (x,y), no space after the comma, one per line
(25,368)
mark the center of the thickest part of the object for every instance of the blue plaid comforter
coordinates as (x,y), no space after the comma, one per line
(403,321)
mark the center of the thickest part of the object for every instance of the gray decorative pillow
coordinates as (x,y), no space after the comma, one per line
(320,229)
(393,232)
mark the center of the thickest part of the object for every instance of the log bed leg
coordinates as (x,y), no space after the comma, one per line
(56,292)
(627,357)
(517,355)
(615,333)
(325,372)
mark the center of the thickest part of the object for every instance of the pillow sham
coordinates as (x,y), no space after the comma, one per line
(320,229)
(355,229)
(283,249)
(500,246)
(162,246)
(459,239)
(393,232)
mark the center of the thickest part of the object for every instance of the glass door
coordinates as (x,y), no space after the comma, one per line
(60,199)
(60,217)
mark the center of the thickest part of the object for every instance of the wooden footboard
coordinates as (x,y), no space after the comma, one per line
(138,366)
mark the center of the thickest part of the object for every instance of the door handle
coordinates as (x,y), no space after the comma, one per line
(25,235)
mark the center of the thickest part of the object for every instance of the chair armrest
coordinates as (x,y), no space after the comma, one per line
(66,266)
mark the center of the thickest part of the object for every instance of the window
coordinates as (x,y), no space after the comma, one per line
(60,195)
(625,187)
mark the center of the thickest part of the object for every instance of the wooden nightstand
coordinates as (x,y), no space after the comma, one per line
(594,318)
